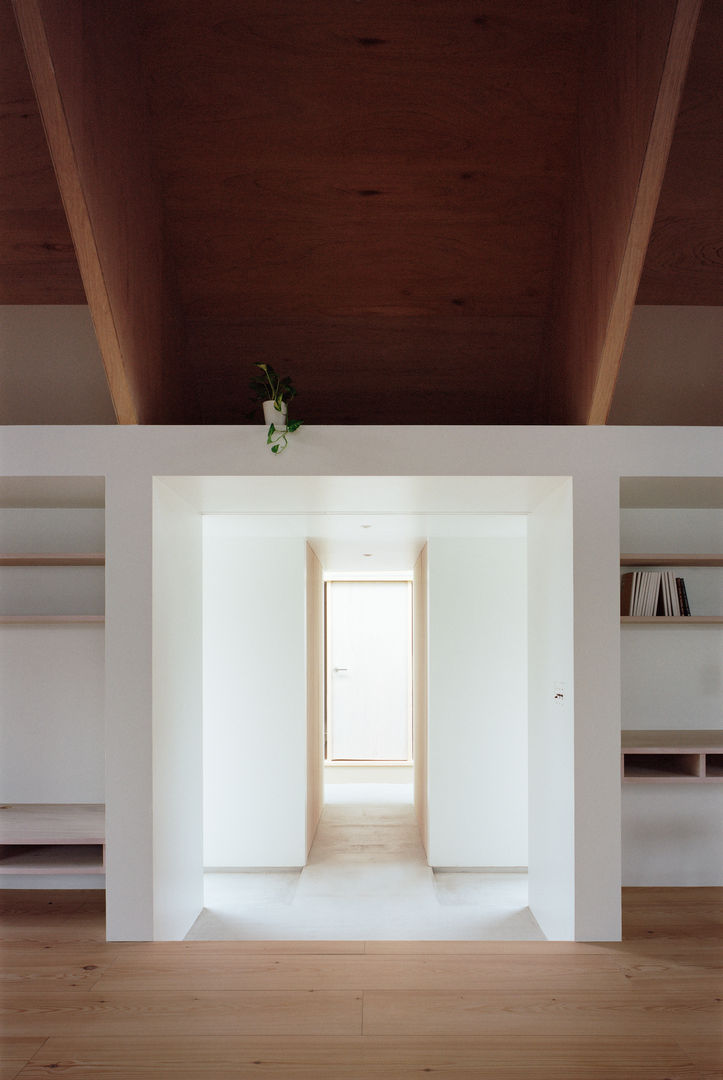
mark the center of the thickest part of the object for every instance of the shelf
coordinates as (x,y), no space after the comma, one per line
(51,619)
(645,559)
(51,859)
(659,620)
(52,838)
(672,756)
(51,559)
(714,765)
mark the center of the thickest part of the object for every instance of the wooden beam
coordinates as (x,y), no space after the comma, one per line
(88,81)
(37,261)
(631,89)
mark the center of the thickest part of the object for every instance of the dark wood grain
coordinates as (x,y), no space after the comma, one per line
(628,106)
(684,260)
(387,368)
(37,260)
(83,59)
(371,195)
(366,192)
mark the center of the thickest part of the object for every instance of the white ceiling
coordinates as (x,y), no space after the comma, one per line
(363,494)
(370,543)
(366,523)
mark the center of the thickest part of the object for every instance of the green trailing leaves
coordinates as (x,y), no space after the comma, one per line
(281,391)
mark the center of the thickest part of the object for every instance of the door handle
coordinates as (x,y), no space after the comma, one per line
(341,669)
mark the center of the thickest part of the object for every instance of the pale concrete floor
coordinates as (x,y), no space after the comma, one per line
(366,879)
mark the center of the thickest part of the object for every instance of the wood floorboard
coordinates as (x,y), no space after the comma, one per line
(589,1013)
(53,968)
(701,1041)
(9,1070)
(212,949)
(265,1012)
(646,1008)
(486,948)
(353,1058)
(195,972)
(15,1052)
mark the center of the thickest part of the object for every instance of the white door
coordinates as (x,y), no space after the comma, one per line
(369,650)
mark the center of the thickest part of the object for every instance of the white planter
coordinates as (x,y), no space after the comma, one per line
(273,416)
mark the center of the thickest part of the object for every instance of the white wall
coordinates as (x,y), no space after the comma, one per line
(129,824)
(477,702)
(551,717)
(51,713)
(596,606)
(672,834)
(314,694)
(178,715)
(254,698)
(129,458)
(672,677)
(52,676)
(420,667)
(51,369)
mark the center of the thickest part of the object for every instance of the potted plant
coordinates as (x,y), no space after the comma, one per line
(275,393)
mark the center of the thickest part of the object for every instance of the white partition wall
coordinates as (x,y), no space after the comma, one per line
(314,694)
(551,715)
(419,693)
(477,701)
(327,457)
(255,682)
(177,713)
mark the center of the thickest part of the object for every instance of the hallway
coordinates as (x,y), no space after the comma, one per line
(366,878)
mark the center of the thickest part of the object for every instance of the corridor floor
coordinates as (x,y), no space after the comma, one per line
(366,879)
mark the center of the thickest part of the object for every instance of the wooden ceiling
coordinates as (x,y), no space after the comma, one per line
(426,211)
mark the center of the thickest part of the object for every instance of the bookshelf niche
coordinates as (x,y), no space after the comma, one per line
(672,756)
(659,562)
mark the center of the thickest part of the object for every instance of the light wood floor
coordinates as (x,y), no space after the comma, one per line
(645,1009)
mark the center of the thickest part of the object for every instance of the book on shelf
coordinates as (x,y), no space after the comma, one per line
(645,593)
(682,596)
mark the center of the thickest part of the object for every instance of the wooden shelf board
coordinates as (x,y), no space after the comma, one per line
(658,559)
(52,859)
(50,619)
(667,757)
(52,823)
(669,778)
(673,742)
(666,620)
(94,558)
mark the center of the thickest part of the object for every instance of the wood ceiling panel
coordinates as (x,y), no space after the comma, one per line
(630,97)
(37,260)
(374,369)
(369,192)
(684,260)
(500,34)
(433,194)
(85,65)
(401,267)
(377,186)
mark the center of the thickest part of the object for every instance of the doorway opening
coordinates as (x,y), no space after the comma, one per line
(491,558)
(368,678)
